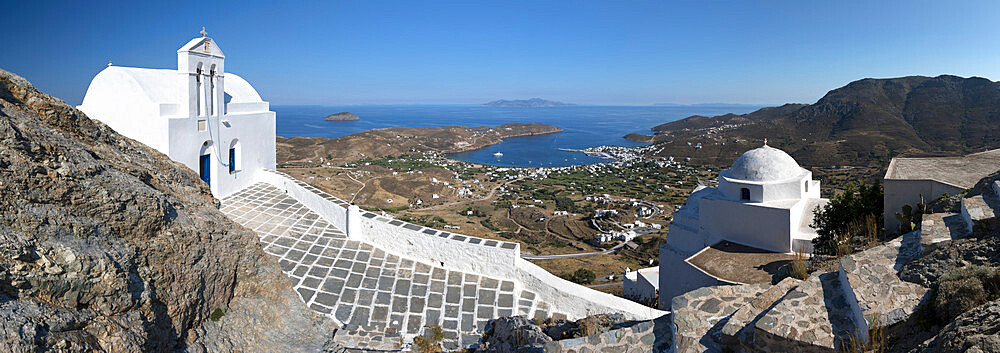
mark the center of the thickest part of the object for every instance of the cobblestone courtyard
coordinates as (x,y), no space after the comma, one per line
(358,284)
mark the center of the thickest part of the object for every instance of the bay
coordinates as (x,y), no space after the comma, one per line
(583,126)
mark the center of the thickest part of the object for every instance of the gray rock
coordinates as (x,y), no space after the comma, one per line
(978,330)
(512,334)
(107,245)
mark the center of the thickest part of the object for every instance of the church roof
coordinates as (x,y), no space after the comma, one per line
(764,163)
(963,172)
(197,45)
(156,86)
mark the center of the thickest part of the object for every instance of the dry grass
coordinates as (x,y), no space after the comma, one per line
(860,234)
(589,325)
(797,267)
(877,339)
(430,341)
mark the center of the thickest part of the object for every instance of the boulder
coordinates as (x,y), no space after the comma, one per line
(108,245)
(514,334)
(976,331)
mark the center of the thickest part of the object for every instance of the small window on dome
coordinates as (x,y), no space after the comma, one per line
(745,194)
(807,185)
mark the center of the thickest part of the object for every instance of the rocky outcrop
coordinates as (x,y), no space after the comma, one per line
(106,244)
(978,330)
(512,334)
(342,116)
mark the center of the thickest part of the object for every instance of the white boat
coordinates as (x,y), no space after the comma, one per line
(498,154)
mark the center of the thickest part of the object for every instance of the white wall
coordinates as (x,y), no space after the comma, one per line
(899,192)
(677,276)
(755,225)
(766,191)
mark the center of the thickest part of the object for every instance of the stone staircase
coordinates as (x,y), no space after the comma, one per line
(818,314)
(368,291)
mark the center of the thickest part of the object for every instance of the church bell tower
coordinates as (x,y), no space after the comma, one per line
(200,65)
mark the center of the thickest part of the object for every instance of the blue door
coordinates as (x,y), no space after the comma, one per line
(205,168)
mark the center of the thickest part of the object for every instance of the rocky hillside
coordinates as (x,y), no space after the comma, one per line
(394,141)
(106,244)
(864,123)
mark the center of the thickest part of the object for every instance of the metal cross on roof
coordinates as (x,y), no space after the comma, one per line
(203,33)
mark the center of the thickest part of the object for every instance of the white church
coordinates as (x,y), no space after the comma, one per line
(210,120)
(764,202)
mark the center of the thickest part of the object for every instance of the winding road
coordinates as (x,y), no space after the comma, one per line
(562,256)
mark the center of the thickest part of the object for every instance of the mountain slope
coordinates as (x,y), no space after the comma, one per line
(106,244)
(866,122)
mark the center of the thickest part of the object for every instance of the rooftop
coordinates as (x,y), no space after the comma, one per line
(739,263)
(963,171)
(764,163)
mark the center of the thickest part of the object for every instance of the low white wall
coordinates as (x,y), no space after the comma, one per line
(966,216)
(677,276)
(574,300)
(331,212)
(439,251)
(860,323)
(565,297)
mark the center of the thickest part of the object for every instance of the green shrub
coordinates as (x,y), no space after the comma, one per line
(963,289)
(582,276)
(844,214)
(217,314)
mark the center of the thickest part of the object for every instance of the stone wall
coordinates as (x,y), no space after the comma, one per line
(647,336)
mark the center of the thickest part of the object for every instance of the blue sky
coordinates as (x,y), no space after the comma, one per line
(587,52)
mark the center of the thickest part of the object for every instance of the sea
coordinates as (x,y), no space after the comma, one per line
(583,126)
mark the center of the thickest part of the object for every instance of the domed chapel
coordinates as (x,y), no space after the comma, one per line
(763,204)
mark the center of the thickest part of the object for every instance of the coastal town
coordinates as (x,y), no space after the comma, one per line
(600,218)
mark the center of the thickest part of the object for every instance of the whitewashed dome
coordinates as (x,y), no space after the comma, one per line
(765,163)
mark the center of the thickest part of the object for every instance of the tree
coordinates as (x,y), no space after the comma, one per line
(583,276)
(853,213)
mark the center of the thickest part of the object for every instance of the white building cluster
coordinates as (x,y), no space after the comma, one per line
(616,236)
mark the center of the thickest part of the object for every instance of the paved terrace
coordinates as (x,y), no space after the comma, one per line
(360,285)
(739,263)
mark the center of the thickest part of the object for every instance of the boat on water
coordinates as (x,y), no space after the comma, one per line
(498,154)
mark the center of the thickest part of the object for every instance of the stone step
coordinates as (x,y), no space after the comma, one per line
(365,338)
(940,227)
(815,316)
(739,328)
(980,208)
(698,315)
(871,276)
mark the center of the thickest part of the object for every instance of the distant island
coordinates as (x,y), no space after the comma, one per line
(397,141)
(527,103)
(342,116)
(705,105)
